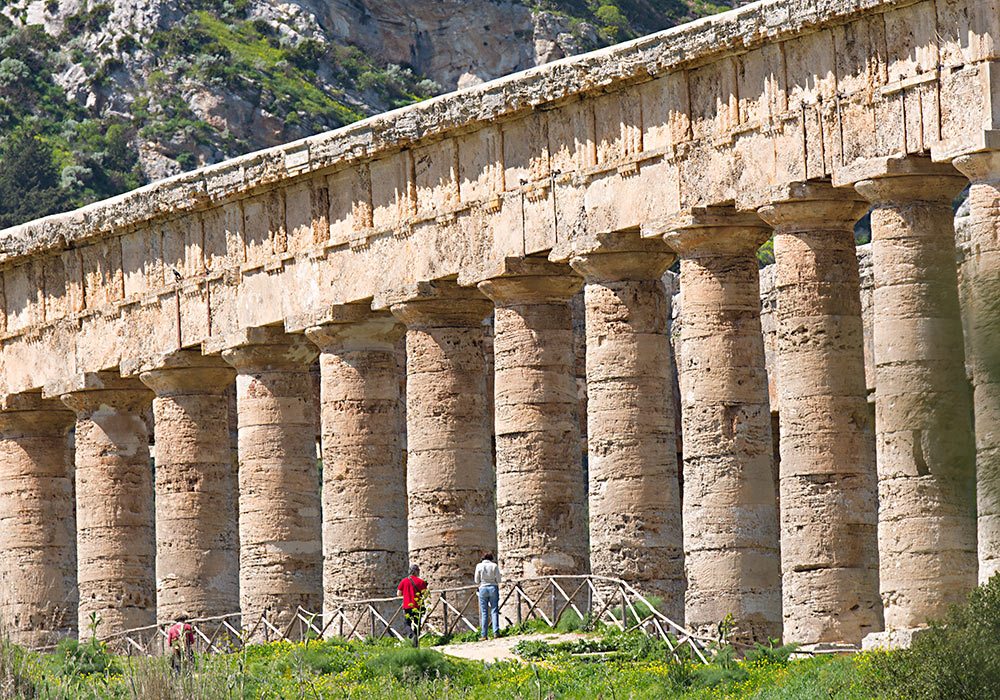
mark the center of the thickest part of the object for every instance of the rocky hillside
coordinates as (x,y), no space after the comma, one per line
(101,96)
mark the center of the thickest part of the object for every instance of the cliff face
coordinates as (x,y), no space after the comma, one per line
(184,83)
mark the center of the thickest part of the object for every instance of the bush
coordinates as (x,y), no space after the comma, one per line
(532,649)
(84,658)
(408,665)
(957,659)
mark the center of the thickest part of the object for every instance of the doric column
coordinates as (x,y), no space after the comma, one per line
(279,523)
(924,442)
(364,480)
(38,595)
(635,525)
(828,492)
(115,534)
(982,283)
(197,567)
(541,508)
(449,470)
(730,518)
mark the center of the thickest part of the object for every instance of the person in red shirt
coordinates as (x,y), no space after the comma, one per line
(180,638)
(412,590)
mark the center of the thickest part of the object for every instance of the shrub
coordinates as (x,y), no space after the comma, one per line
(407,664)
(532,649)
(957,658)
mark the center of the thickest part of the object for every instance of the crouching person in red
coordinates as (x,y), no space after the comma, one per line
(412,590)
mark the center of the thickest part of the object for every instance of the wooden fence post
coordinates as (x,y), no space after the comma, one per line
(444,610)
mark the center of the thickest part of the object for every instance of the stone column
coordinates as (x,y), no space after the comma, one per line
(828,491)
(38,594)
(541,506)
(364,480)
(279,523)
(449,478)
(730,518)
(926,462)
(983,343)
(115,534)
(197,566)
(635,525)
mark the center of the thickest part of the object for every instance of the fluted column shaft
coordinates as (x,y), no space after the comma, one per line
(730,518)
(115,534)
(280,550)
(38,594)
(924,442)
(364,480)
(449,477)
(982,282)
(828,487)
(197,569)
(635,524)
(541,508)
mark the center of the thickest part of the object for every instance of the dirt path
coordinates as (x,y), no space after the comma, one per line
(500,649)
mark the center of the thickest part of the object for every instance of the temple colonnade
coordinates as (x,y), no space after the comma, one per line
(797,557)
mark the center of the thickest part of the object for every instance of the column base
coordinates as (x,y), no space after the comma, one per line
(892,639)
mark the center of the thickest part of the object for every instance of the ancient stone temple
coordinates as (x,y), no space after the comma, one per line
(491,208)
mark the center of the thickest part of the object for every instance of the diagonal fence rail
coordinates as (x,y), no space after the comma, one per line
(449,611)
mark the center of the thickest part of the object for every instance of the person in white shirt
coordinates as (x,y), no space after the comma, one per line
(488,579)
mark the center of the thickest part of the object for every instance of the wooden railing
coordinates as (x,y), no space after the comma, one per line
(449,611)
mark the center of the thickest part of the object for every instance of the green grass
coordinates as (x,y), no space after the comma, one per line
(385,670)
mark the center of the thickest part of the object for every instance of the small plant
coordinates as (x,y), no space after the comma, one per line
(532,649)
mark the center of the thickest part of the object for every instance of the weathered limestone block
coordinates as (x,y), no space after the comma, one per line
(449,470)
(828,492)
(635,524)
(982,306)
(38,593)
(197,567)
(364,479)
(115,534)
(279,522)
(540,489)
(730,518)
(926,467)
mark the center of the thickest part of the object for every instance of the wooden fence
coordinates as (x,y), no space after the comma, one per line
(449,611)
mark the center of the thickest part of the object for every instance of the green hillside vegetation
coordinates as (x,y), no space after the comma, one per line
(56,154)
(620,20)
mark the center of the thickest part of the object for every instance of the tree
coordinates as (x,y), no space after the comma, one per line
(29,180)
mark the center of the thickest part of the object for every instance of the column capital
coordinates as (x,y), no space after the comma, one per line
(979,167)
(440,303)
(714,231)
(19,413)
(270,347)
(802,206)
(532,280)
(88,392)
(186,372)
(910,179)
(621,255)
(355,326)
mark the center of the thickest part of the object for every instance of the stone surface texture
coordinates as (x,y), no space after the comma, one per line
(364,478)
(924,441)
(730,515)
(828,493)
(197,564)
(635,524)
(115,531)
(540,486)
(982,306)
(38,592)
(280,550)
(449,468)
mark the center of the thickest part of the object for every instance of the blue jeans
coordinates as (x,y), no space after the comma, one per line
(489,598)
